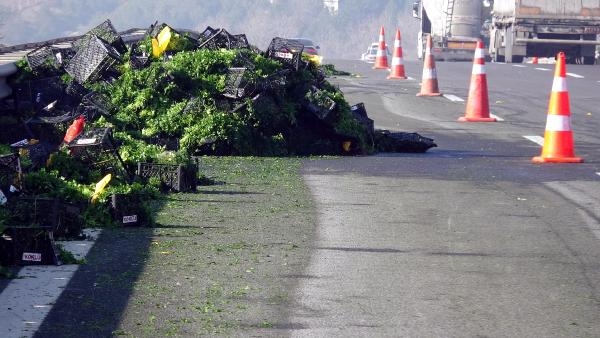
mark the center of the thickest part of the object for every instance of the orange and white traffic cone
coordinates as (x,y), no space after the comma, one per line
(397,62)
(381,61)
(429,83)
(558,137)
(478,105)
(534,60)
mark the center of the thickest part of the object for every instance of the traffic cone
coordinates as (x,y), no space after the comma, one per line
(397,71)
(478,105)
(397,62)
(429,84)
(534,60)
(381,61)
(558,137)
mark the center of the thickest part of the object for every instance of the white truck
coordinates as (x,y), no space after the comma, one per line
(454,27)
(542,28)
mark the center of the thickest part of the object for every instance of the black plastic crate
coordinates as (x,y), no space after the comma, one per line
(360,114)
(97,148)
(237,85)
(70,224)
(128,210)
(29,235)
(36,152)
(176,177)
(10,171)
(288,52)
(274,81)
(39,94)
(238,41)
(212,38)
(20,245)
(34,211)
(178,42)
(42,58)
(320,104)
(94,57)
(93,104)
(105,31)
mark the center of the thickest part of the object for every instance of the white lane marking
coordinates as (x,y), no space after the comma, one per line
(453,98)
(520,66)
(575,75)
(498,118)
(27,299)
(535,139)
(544,69)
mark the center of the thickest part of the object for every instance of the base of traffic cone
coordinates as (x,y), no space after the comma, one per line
(476,119)
(429,94)
(397,77)
(540,159)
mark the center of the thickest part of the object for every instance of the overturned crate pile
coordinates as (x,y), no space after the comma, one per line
(104,110)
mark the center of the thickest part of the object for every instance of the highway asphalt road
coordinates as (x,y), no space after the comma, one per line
(470,239)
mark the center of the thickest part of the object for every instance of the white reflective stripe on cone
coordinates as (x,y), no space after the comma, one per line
(478,53)
(397,60)
(559,84)
(429,74)
(478,69)
(558,123)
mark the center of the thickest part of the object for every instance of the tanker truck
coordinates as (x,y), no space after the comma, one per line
(454,27)
(542,28)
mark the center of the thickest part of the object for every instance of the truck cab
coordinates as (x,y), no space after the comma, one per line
(541,28)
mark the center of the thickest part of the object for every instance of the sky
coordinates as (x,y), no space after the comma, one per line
(345,35)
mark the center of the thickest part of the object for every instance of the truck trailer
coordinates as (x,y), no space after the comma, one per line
(542,28)
(454,27)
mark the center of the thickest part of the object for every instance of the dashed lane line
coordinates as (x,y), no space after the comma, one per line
(498,118)
(520,66)
(568,74)
(535,139)
(453,98)
(575,75)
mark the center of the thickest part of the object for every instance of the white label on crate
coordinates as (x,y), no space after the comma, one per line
(3,198)
(130,219)
(284,55)
(86,141)
(32,257)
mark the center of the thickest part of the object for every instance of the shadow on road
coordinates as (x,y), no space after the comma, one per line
(92,303)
